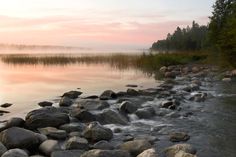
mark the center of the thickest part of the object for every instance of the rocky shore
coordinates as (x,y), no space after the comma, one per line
(103,126)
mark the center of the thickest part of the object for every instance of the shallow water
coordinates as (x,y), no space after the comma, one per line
(26,85)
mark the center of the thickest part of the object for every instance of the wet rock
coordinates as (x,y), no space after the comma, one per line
(131,85)
(179,136)
(149,138)
(65,101)
(132,92)
(77,143)
(168,104)
(186,70)
(6,105)
(93,104)
(184,154)
(15,153)
(163,69)
(121,94)
(128,107)
(199,83)
(104,145)
(128,138)
(109,116)
(41,137)
(37,156)
(195,69)
(72,94)
(105,153)
(173,150)
(46,117)
(49,146)
(18,138)
(15,121)
(117,130)
(226,79)
(3,149)
(145,113)
(45,103)
(67,153)
(91,97)
(2,112)
(108,94)
(72,127)
(170,75)
(148,153)
(96,132)
(135,147)
(83,115)
(53,133)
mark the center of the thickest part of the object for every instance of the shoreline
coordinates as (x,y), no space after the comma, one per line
(80,126)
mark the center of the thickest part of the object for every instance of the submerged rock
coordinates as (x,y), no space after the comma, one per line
(109,116)
(179,136)
(108,94)
(45,103)
(18,138)
(105,153)
(6,105)
(96,132)
(46,117)
(135,147)
(72,94)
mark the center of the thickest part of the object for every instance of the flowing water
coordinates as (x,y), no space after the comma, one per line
(212,126)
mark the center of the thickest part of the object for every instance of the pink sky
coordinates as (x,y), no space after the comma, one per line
(97,24)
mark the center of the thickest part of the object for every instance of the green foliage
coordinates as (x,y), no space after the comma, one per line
(222,31)
(185,39)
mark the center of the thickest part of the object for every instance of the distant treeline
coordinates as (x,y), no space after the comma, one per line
(39,47)
(219,36)
(190,38)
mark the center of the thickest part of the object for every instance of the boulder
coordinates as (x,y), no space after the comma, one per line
(15,121)
(83,115)
(105,153)
(65,101)
(108,94)
(135,147)
(49,146)
(184,154)
(77,143)
(170,75)
(45,117)
(72,94)
(53,133)
(67,153)
(72,127)
(179,136)
(96,132)
(145,113)
(15,137)
(128,107)
(132,92)
(148,153)
(6,105)
(3,149)
(104,145)
(15,153)
(168,104)
(163,69)
(45,103)
(173,150)
(109,116)
(93,104)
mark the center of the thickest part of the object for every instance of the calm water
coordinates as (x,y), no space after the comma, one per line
(26,85)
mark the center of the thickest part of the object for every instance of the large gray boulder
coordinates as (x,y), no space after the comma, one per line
(3,149)
(145,113)
(15,153)
(96,132)
(18,138)
(45,117)
(105,153)
(109,116)
(128,107)
(67,153)
(135,147)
